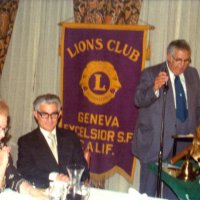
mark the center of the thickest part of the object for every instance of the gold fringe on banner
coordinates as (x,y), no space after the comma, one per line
(148,51)
(98,180)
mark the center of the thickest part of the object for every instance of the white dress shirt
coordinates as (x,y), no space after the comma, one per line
(52,175)
(172,78)
(182,79)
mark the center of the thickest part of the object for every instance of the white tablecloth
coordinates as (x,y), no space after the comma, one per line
(95,194)
(12,195)
(98,194)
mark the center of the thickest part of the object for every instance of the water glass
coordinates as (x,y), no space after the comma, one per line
(56,190)
(85,191)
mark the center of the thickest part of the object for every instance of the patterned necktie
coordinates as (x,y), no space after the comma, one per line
(181,107)
(53,145)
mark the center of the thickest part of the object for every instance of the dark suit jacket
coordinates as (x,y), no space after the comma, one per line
(146,140)
(36,161)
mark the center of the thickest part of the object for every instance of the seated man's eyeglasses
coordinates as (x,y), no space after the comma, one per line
(45,115)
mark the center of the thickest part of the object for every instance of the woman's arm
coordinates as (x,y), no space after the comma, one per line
(4,157)
(26,188)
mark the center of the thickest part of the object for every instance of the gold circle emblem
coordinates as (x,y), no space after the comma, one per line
(91,82)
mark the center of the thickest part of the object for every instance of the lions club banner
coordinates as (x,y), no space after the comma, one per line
(101,66)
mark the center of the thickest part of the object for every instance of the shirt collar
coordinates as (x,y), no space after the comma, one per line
(46,133)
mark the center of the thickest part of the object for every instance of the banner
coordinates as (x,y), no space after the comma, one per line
(101,66)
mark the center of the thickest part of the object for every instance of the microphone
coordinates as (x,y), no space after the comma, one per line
(166,86)
(160,155)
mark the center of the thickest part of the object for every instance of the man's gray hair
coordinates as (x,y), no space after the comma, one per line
(180,44)
(47,99)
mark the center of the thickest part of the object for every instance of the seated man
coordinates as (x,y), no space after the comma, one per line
(39,159)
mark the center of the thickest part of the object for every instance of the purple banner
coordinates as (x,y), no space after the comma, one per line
(101,68)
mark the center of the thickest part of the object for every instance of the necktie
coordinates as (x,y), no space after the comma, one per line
(181,107)
(53,145)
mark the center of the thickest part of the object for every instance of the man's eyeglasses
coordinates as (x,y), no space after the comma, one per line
(45,115)
(179,60)
(3,129)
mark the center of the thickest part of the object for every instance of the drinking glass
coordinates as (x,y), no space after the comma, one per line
(75,190)
(56,190)
(85,190)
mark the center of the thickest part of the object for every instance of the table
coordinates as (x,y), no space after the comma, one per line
(95,194)
(101,194)
(8,194)
(185,190)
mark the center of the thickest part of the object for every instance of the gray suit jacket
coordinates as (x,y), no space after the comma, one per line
(146,140)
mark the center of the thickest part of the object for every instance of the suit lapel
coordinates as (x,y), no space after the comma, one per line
(189,89)
(170,104)
(59,143)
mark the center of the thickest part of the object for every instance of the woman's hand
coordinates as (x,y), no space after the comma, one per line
(39,194)
(4,156)
(36,193)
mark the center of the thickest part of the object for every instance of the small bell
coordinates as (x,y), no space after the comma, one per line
(187,172)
